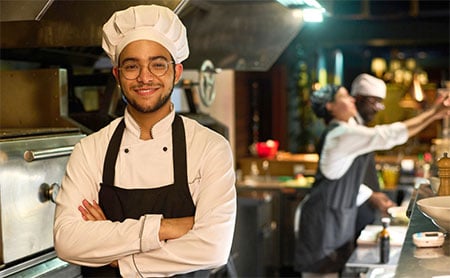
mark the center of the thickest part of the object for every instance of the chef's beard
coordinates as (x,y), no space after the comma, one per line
(148,109)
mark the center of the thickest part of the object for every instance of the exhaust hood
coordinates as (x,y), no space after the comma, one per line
(23,10)
(245,35)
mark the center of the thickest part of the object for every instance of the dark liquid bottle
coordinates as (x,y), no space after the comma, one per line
(384,240)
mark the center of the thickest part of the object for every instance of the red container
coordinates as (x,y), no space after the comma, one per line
(267,149)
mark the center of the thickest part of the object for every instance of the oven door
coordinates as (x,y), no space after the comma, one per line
(31,170)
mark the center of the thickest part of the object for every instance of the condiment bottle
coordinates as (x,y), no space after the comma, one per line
(384,240)
(444,175)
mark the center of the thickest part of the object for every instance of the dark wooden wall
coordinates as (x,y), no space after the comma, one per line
(272,107)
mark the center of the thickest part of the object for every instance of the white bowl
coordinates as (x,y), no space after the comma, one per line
(398,215)
(438,210)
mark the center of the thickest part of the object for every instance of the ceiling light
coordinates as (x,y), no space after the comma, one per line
(300,3)
(312,11)
(312,15)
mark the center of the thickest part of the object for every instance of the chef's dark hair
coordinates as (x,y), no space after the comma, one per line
(319,100)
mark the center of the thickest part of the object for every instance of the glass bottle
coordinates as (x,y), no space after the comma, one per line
(384,240)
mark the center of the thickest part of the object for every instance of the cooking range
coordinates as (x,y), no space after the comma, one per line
(32,164)
(36,139)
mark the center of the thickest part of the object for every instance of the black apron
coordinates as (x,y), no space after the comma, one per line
(172,201)
(366,212)
(327,221)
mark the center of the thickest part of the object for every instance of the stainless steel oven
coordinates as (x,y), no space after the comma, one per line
(32,164)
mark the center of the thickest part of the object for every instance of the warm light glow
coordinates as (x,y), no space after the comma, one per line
(395,64)
(422,77)
(398,75)
(410,64)
(407,77)
(414,96)
(378,66)
(417,91)
(316,86)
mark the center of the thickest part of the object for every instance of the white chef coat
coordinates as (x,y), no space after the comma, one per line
(349,140)
(149,164)
(365,191)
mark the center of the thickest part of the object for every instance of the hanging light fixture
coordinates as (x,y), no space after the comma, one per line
(378,66)
(414,97)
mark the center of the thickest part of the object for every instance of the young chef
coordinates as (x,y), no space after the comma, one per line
(369,93)
(327,219)
(153,193)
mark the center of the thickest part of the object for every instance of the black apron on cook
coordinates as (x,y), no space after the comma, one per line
(173,200)
(366,212)
(327,222)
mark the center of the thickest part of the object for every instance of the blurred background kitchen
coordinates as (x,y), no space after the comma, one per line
(252,67)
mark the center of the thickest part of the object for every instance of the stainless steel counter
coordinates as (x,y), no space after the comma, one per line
(422,262)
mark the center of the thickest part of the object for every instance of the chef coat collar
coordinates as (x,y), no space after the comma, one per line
(339,122)
(359,119)
(353,121)
(160,128)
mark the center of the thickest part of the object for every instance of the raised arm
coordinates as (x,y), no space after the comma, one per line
(439,110)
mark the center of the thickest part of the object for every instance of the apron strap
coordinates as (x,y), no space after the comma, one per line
(179,155)
(111,154)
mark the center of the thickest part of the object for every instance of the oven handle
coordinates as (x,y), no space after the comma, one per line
(31,155)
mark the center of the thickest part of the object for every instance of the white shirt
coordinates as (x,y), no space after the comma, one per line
(349,140)
(365,191)
(147,164)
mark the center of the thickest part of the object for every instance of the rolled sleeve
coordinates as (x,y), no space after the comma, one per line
(150,232)
(364,194)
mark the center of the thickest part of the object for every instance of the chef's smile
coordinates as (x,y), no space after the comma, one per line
(146,91)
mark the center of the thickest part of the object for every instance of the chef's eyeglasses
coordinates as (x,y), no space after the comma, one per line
(132,69)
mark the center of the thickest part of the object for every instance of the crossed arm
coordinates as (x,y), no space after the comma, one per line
(170,228)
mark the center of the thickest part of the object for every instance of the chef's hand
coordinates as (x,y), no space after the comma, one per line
(442,105)
(172,228)
(381,201)
(93,212)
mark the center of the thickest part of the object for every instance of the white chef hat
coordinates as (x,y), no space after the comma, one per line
(145,22)
(368,85)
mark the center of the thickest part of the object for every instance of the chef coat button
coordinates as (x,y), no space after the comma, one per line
(165,149)
(127,150)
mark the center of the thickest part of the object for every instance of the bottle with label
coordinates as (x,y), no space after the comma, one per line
(384,240)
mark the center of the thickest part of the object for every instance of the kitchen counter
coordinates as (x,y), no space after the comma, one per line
(277,183)
(276,199)
(422,262)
